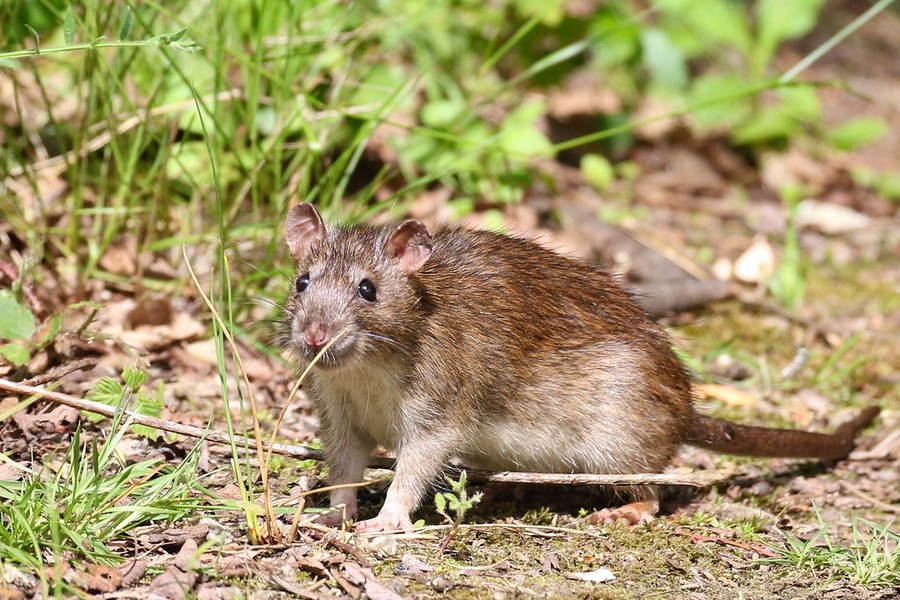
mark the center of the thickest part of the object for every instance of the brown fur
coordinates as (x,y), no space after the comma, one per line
(496,351)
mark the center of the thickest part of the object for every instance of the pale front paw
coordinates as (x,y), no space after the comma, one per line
(385,522)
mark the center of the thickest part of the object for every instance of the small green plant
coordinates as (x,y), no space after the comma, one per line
(16,326)
(20,331)
(788,283)
(456,501)
(71,512)
(873,559)
(111,391)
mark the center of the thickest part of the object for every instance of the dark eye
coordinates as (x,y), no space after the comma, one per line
(367,290)
(302,283)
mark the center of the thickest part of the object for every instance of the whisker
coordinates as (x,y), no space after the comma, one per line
(382,338)
(261,300)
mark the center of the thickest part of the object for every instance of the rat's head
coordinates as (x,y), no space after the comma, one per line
(357,280)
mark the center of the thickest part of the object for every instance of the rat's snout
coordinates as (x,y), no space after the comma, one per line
(315,335)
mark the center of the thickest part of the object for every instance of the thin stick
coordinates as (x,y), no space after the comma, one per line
(698,480)
(623,479)
(301,452)
(890,508)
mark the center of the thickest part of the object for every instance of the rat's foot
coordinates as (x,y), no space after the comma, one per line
(634,513)
(336,517)
(385,521)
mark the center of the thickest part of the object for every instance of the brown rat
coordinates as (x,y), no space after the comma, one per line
(498,352)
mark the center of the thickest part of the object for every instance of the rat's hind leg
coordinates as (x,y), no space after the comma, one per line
(642,509)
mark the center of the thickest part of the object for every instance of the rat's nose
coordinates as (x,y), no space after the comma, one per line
(315,336)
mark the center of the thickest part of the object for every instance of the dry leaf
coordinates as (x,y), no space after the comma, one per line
(730,395)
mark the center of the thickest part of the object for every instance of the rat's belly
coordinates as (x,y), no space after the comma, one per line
(512,446)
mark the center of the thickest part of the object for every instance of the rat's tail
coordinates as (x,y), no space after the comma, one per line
(730,438)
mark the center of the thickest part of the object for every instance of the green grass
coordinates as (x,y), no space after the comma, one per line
(872,560)
(69,511)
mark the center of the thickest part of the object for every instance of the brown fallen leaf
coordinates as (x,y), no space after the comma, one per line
(375,590)
(12,471)
(59,419)
(132,572)
(150,310)
(728,394)
(120,257)
(101,579)
(179,579)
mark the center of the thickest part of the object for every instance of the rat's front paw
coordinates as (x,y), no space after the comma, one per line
(385,521)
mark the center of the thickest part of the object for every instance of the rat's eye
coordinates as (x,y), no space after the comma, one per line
(302,283)
(367,290)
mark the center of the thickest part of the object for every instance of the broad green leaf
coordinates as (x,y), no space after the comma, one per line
(107,391)
(526,142)
(16,321)
(778,21)
(781,20)
(663,59)
(705,24)
(378,85)
(15,353)
(616,42)
(767,125)
(718,102)
(442,114)
(802,102)
(854,133)
(151,407)
(134,377)
(597,171)
(520,135)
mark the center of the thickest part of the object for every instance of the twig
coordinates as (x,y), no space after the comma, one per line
(623,479)
(61,370)
(307,453)
(889,508)
(301,452)
(699,537)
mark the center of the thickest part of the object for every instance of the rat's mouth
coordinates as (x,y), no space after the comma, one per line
(330,355)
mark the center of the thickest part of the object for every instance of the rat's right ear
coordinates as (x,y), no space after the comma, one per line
(410,243)
(303,228)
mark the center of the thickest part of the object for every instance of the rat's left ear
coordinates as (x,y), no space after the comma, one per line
(410,243)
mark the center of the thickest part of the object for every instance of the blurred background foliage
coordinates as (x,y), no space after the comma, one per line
(182,121)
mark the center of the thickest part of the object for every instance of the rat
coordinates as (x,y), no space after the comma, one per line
(495,351)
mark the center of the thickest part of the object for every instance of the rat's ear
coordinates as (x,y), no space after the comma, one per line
(303,228)
(410,243)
